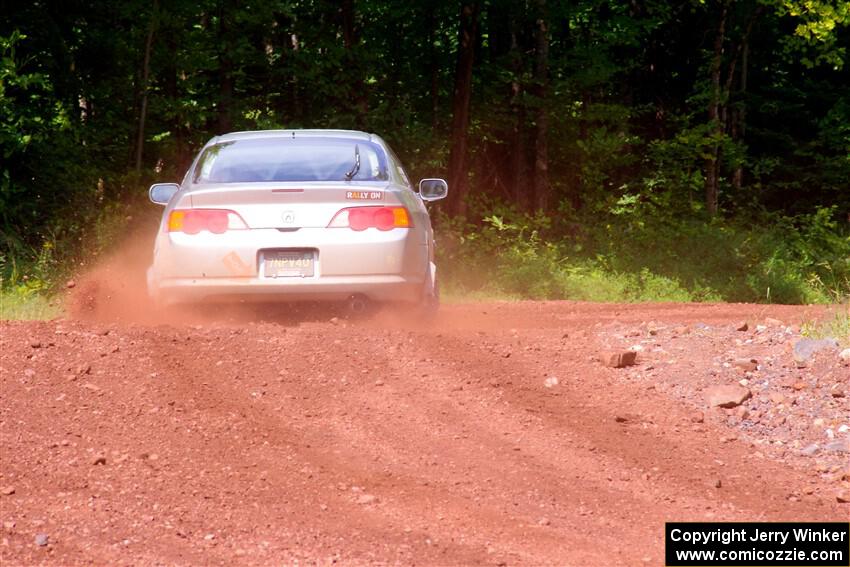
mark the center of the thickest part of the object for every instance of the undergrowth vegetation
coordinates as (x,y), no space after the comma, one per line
(836,326)
(648,255)
(631,252)
(32,275)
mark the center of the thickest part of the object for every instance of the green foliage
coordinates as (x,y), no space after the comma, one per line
(18,305)
(815,33)
(626,99)
(835,326)
(19,124)
(27,117)
(639,255)
(31,273)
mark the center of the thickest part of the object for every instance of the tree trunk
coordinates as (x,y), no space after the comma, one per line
(146,67)
(541,80)
(721,114)
(225,69)
(171,27)
(434,69)
(520,188)
(738,113)
(351,39)
(457,174)
(348,37)
(494,154)
(740,116)
(712,163)
(295,86)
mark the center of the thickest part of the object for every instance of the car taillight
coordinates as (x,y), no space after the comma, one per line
(193,221)
(361,218)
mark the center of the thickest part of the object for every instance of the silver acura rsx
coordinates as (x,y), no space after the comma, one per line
(296,215)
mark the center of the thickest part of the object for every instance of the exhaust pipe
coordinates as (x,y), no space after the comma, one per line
(358,304)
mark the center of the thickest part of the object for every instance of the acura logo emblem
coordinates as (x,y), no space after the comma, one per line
(288,217)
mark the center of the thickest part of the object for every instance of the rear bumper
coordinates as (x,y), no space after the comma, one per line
(384,266)
(328,288)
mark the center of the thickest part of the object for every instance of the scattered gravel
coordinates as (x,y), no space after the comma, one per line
(784,393)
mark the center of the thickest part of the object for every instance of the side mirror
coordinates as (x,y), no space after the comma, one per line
(161,193)
(433,189)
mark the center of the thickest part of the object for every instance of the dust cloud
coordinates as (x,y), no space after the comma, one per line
(114,290)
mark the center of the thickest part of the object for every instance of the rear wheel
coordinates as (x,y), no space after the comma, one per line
(156,302)
(429,303)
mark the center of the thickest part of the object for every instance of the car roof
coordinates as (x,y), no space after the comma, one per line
(343,134)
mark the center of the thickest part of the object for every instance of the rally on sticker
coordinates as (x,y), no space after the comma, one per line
(365,195)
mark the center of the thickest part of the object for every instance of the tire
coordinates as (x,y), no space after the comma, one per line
(429,303)
(156,302)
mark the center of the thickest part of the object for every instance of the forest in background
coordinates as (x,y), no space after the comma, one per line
(595,149)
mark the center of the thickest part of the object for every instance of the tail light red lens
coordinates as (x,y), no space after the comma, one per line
(361,218)
(193,221)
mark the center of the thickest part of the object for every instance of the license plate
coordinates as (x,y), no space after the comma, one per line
(288,264)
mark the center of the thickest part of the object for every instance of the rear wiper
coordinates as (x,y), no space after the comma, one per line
(350,175)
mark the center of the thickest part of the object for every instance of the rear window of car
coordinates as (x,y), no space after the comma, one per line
(291,159)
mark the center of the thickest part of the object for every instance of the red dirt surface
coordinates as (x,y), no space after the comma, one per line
(284,439)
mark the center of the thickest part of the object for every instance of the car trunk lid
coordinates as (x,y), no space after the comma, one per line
(290,205)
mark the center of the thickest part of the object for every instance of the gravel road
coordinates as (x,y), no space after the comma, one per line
(497,435)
